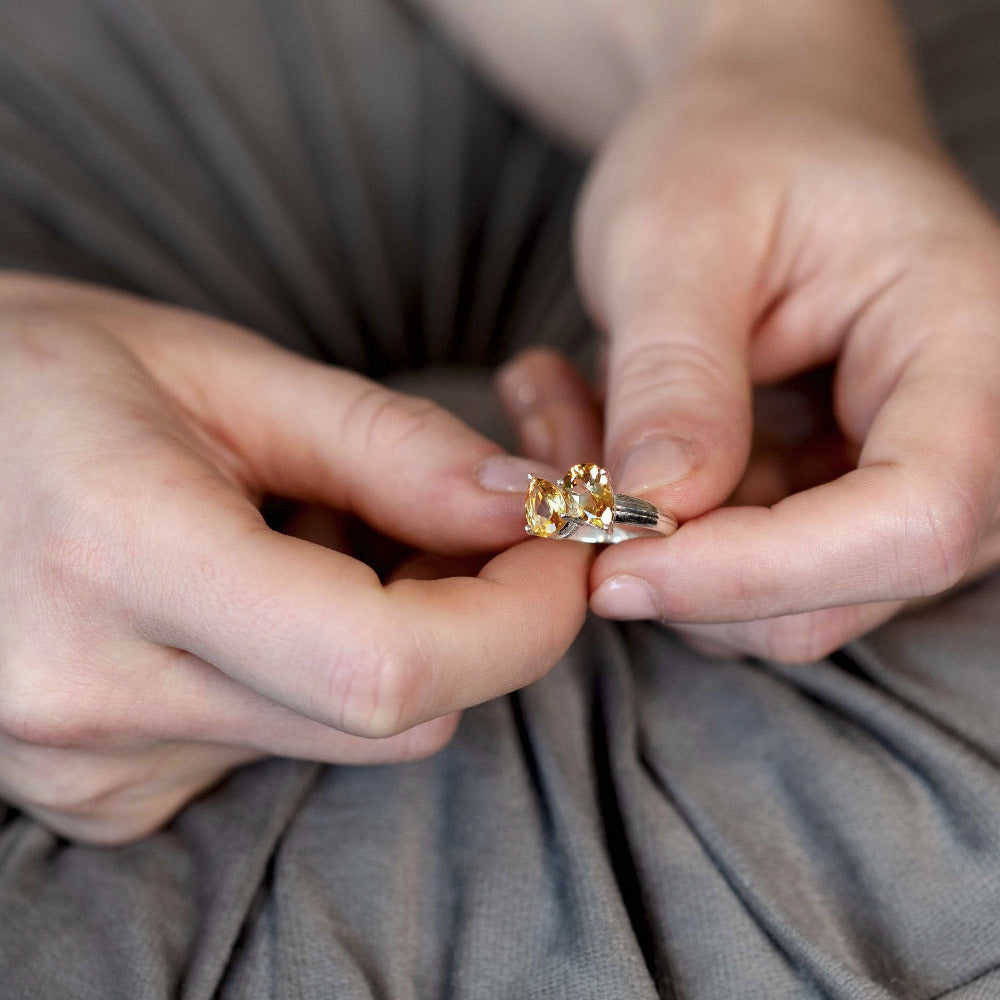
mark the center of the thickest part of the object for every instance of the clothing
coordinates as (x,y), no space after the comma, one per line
(642,822)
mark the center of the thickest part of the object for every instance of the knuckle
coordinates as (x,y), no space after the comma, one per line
(663,214)
(386,421)
(37,334)
(40,708)
(376,692)
(683,374)
(943,531)
(31,711)
(651,368)
(125,807)
(75,562)
(82,554)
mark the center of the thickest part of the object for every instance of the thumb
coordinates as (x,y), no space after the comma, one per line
(672,278)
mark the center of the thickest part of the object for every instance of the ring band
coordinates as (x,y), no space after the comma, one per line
(584,508)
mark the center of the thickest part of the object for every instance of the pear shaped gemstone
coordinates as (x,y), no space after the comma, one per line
(589,496)
(544,508)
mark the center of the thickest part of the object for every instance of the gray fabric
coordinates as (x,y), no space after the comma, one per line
(326,173)
(643,822)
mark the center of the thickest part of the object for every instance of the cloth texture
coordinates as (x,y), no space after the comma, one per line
(643,822)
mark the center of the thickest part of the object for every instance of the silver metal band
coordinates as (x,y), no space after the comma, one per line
(632,510)
(633,518)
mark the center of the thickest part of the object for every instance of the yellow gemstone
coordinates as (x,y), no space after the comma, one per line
(589,496)
(544,508)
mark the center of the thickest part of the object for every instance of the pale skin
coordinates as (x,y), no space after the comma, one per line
(766,196)
(776,203)
(156,632)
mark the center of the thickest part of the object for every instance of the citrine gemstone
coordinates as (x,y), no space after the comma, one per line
(589,495)
(544,508)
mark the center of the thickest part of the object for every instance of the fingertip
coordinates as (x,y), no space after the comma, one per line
(679,420)
(532,554)
(549,575)
(502,473)
(655,463)
(497,632)
(625,598)
(626,581)
(531,376)
(528,369)
(681,475)
(552,407)
(537,433)
(517,390)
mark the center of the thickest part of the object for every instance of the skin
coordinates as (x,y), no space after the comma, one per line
(156,632)
(767,210)
(766,198)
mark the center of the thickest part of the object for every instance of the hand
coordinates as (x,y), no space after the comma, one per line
(737,231)
(155,632)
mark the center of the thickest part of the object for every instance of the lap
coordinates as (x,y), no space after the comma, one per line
(641,822)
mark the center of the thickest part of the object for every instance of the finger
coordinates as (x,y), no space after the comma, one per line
(198,703)
(552,407)
(320,434)
(904,524)
(169,696)
(812,635)
(801,638)
(109,798)
(315,631)
(674,284)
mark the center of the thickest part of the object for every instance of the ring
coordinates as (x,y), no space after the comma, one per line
(583,507)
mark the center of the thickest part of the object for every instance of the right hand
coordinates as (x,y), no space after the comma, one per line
(155,632)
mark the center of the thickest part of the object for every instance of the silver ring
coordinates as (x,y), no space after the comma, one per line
(583,507)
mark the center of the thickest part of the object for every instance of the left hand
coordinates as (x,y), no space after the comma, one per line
(737,232)
(155,632)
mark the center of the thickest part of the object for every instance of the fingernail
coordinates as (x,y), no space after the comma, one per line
(625,598)
(507,474)
(653,463)
(536,437)
(520,395)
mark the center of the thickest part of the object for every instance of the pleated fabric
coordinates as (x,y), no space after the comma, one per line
(329,174)
(642,822)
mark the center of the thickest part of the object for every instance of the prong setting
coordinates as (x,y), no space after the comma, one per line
(584,508)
